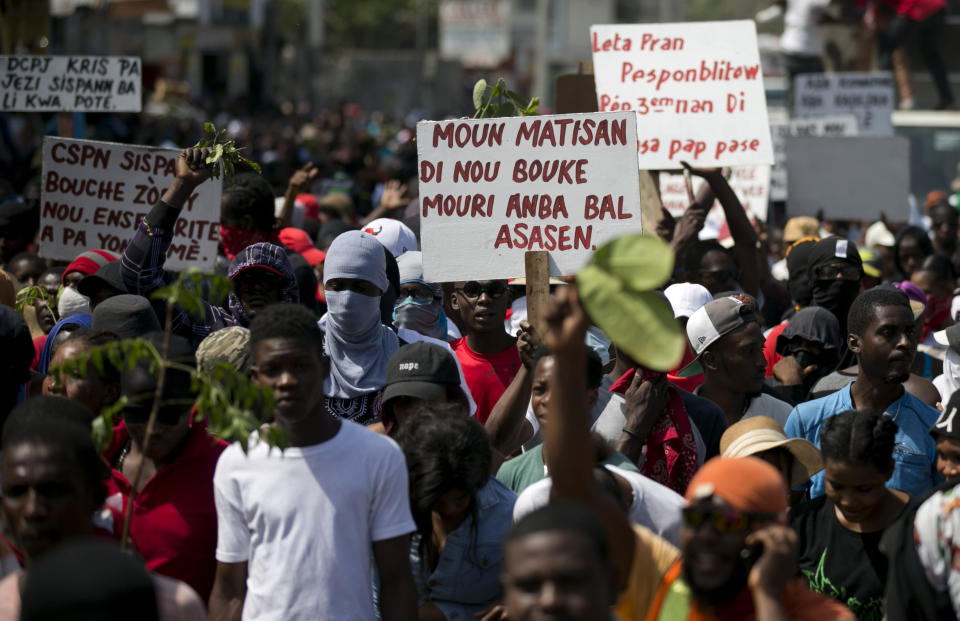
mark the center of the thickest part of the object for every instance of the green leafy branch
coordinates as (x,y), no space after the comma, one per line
(28,296)
(499,101)
(223,151)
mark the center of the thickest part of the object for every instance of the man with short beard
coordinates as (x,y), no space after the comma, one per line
(739,556)
(883,335)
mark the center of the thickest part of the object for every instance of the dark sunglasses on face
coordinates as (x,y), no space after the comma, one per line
(266,283)
(473,290)
(167,415)
(420,294)
(830,272)
(722,520)
(720,275)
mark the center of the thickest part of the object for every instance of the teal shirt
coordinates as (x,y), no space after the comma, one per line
(521,472)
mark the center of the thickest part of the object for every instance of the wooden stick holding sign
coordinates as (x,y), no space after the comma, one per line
(537,266)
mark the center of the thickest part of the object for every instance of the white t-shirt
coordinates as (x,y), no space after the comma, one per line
(655,506)
(304,520)
(801,33)
(771,407)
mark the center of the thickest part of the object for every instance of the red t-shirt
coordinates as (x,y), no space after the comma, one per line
(770,348)
(174,523)
(487,375)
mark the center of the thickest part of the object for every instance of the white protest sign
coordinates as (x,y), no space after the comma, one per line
(751,184)
(70,84)
(94,195)
(491,189)
(848,178)
(867,96)
(697,89)
(833,126)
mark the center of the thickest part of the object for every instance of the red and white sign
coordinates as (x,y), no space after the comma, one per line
(751,184)
(94,195)
(491,189)
(697,89)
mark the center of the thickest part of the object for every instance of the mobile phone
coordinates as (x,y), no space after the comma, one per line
(752,553)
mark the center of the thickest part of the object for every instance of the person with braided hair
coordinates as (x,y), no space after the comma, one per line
(839,533)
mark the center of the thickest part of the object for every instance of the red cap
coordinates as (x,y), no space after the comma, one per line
(934,197)
(89,262)
(309,204)
(298,241)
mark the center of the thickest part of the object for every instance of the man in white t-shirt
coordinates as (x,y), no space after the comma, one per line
(297,529)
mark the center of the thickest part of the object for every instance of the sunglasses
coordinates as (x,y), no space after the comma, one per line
(473,290)
(420,294)
(830,272)
(723,520)
(264,284)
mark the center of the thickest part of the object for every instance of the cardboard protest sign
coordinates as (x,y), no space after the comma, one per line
(848,178)
(867,96)
(697,89)
(751,184)
(94,195)
(491,189)
(828,126)
(70,83)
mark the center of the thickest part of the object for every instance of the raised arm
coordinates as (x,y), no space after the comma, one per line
(141,265)
(507,416)
(299,183)
(744,237)
(569,449)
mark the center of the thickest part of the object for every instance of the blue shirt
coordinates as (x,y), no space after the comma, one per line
(467,577)
(914,454)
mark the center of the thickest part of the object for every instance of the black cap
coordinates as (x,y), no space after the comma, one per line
(421,370)
(127,316)
(107,276)
(948,424)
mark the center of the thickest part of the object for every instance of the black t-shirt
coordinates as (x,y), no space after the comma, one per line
(838,562)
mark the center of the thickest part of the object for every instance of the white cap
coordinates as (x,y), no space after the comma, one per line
(393,234)
(686,297)
(879,235)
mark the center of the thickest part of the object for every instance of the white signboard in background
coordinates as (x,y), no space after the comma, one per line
(477,33)
(867,96)
(492,189)
(697,89)
(94,194)
(830,127)
(849,178)
(70,84)
(751,184)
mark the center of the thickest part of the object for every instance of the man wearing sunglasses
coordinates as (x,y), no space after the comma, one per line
(488,355)
(174,528)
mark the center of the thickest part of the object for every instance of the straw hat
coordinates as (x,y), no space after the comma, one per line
(757,434)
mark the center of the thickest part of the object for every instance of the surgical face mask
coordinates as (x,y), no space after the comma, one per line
(72,302)
(598,342)
(353,314)
(426,318)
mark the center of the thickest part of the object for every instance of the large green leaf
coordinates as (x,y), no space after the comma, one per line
(640,262)
(638,322)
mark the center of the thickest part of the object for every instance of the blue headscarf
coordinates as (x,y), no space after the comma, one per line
(83,320)
(271,257)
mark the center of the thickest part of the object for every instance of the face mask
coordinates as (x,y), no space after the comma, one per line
(598,342)
(426,318)
(72,302)
(836,296)
(234,239)
(353,314)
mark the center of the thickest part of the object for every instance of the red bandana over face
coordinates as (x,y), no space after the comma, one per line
(234,239)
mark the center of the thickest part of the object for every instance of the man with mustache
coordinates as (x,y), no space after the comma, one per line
(883,334)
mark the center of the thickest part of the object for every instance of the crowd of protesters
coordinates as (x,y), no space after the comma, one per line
(444,460)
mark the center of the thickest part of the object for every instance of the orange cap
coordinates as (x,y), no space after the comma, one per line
(747,484)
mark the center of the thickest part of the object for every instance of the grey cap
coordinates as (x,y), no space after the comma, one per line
(711,321)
